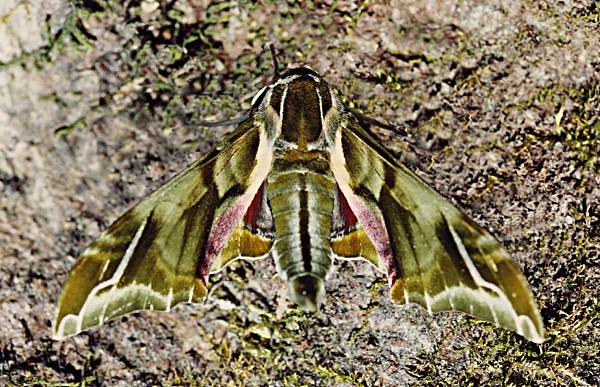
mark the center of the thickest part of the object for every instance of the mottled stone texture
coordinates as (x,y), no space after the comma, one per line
(500,103)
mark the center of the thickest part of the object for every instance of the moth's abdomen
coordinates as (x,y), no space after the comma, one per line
(302,201)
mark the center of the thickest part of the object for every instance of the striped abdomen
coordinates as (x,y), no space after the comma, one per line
(301,196)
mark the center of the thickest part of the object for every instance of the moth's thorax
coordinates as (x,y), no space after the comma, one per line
(301,101)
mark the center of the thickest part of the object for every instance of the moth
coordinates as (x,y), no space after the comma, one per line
(300,180)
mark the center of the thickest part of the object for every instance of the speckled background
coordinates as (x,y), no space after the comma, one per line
(500,102)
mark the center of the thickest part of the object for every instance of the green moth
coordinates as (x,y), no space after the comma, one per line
(302,181)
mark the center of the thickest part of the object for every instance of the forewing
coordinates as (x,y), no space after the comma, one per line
(434,254)
(159,253)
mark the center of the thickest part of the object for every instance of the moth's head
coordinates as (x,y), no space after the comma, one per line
(307,291)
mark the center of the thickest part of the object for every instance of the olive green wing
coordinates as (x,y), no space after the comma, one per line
(160,252)
(434,254)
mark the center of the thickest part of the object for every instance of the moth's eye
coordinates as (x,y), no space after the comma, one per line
(257,95)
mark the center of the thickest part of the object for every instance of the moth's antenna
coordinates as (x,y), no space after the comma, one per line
(210,124)
(274,57)
(239,120)
(365,120)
